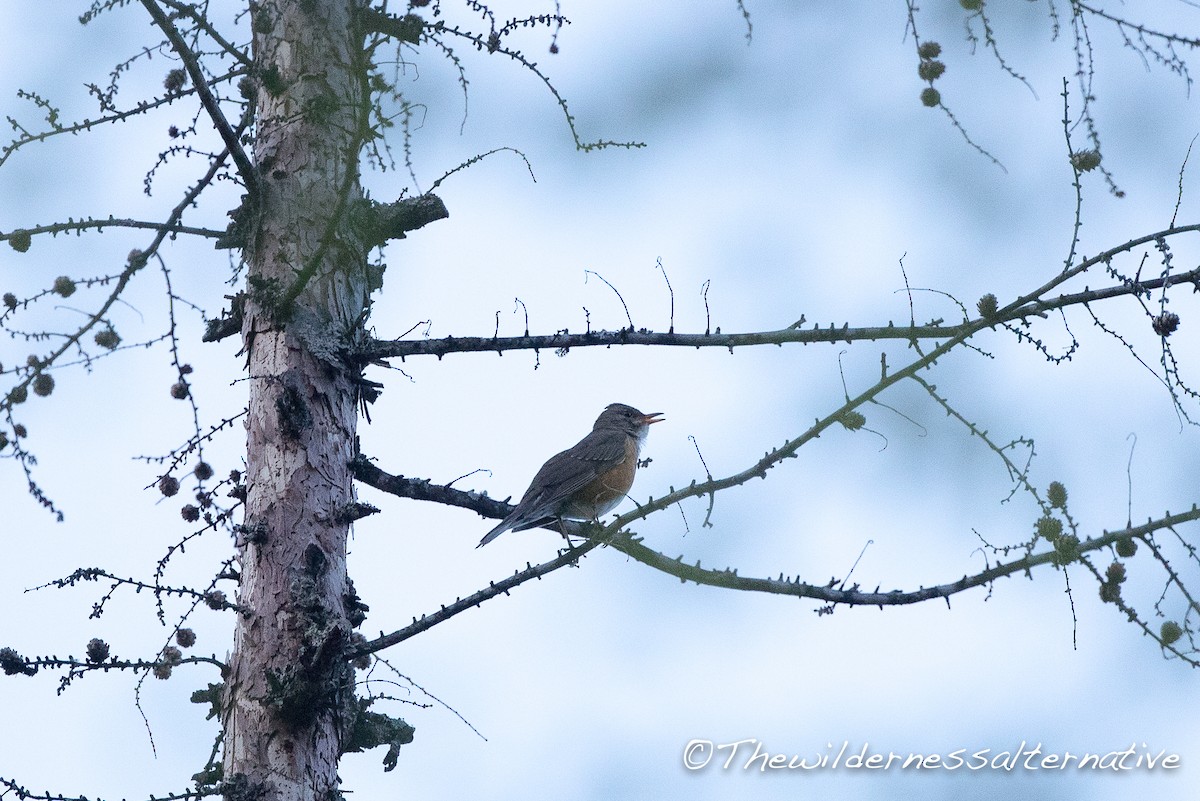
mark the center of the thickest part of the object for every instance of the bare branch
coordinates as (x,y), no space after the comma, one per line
(79,226)
(231,139)
(384,221)
(564,558)
(1027,306)
(405,29)
(189,10)
(25,794)
(626,542)
(57,129)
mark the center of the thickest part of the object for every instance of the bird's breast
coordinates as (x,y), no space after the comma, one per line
(602,494)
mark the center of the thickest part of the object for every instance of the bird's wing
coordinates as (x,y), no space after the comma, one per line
(570,471)
(562,475)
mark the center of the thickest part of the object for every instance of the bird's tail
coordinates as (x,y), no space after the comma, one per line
(504,526)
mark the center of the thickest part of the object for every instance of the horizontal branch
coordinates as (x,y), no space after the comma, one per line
(215,601)
(113,663)
(855,597)
(405,29)
(1022,308)
(79,226)
(422,489)
(565,340)
(383,221)
(229,322)
(24,794)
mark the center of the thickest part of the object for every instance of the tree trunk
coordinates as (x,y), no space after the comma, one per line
(286,707)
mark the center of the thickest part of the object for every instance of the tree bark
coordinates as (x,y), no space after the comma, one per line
(287,702)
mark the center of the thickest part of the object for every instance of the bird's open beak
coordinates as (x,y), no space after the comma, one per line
(653,417)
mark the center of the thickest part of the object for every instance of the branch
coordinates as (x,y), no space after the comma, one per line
(790,449)
(78,226)
(492,45)
(139,258)
(832,593)
(228,136)
(230,321)
(422,489)
(854,597)
(24,794)
(383,221)
(189,10)
(564,558)
(53,662)
(564,340)
(119,116)
(82,574)
(1023,307)
(627,543)
(406,29)
(377,222)
(1142,30)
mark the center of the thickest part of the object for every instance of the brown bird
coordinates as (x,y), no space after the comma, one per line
(586,480)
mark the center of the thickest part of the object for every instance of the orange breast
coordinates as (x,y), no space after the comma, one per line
(605,491)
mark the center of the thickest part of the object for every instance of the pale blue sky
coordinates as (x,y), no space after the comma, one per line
(793,174)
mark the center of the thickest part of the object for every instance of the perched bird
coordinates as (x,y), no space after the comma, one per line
(586,480)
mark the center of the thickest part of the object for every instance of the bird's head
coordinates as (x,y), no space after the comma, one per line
(627,419)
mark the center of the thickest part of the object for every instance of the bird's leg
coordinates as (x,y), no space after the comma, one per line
(562,529)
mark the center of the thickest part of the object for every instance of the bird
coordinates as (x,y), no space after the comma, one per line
(586,480)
